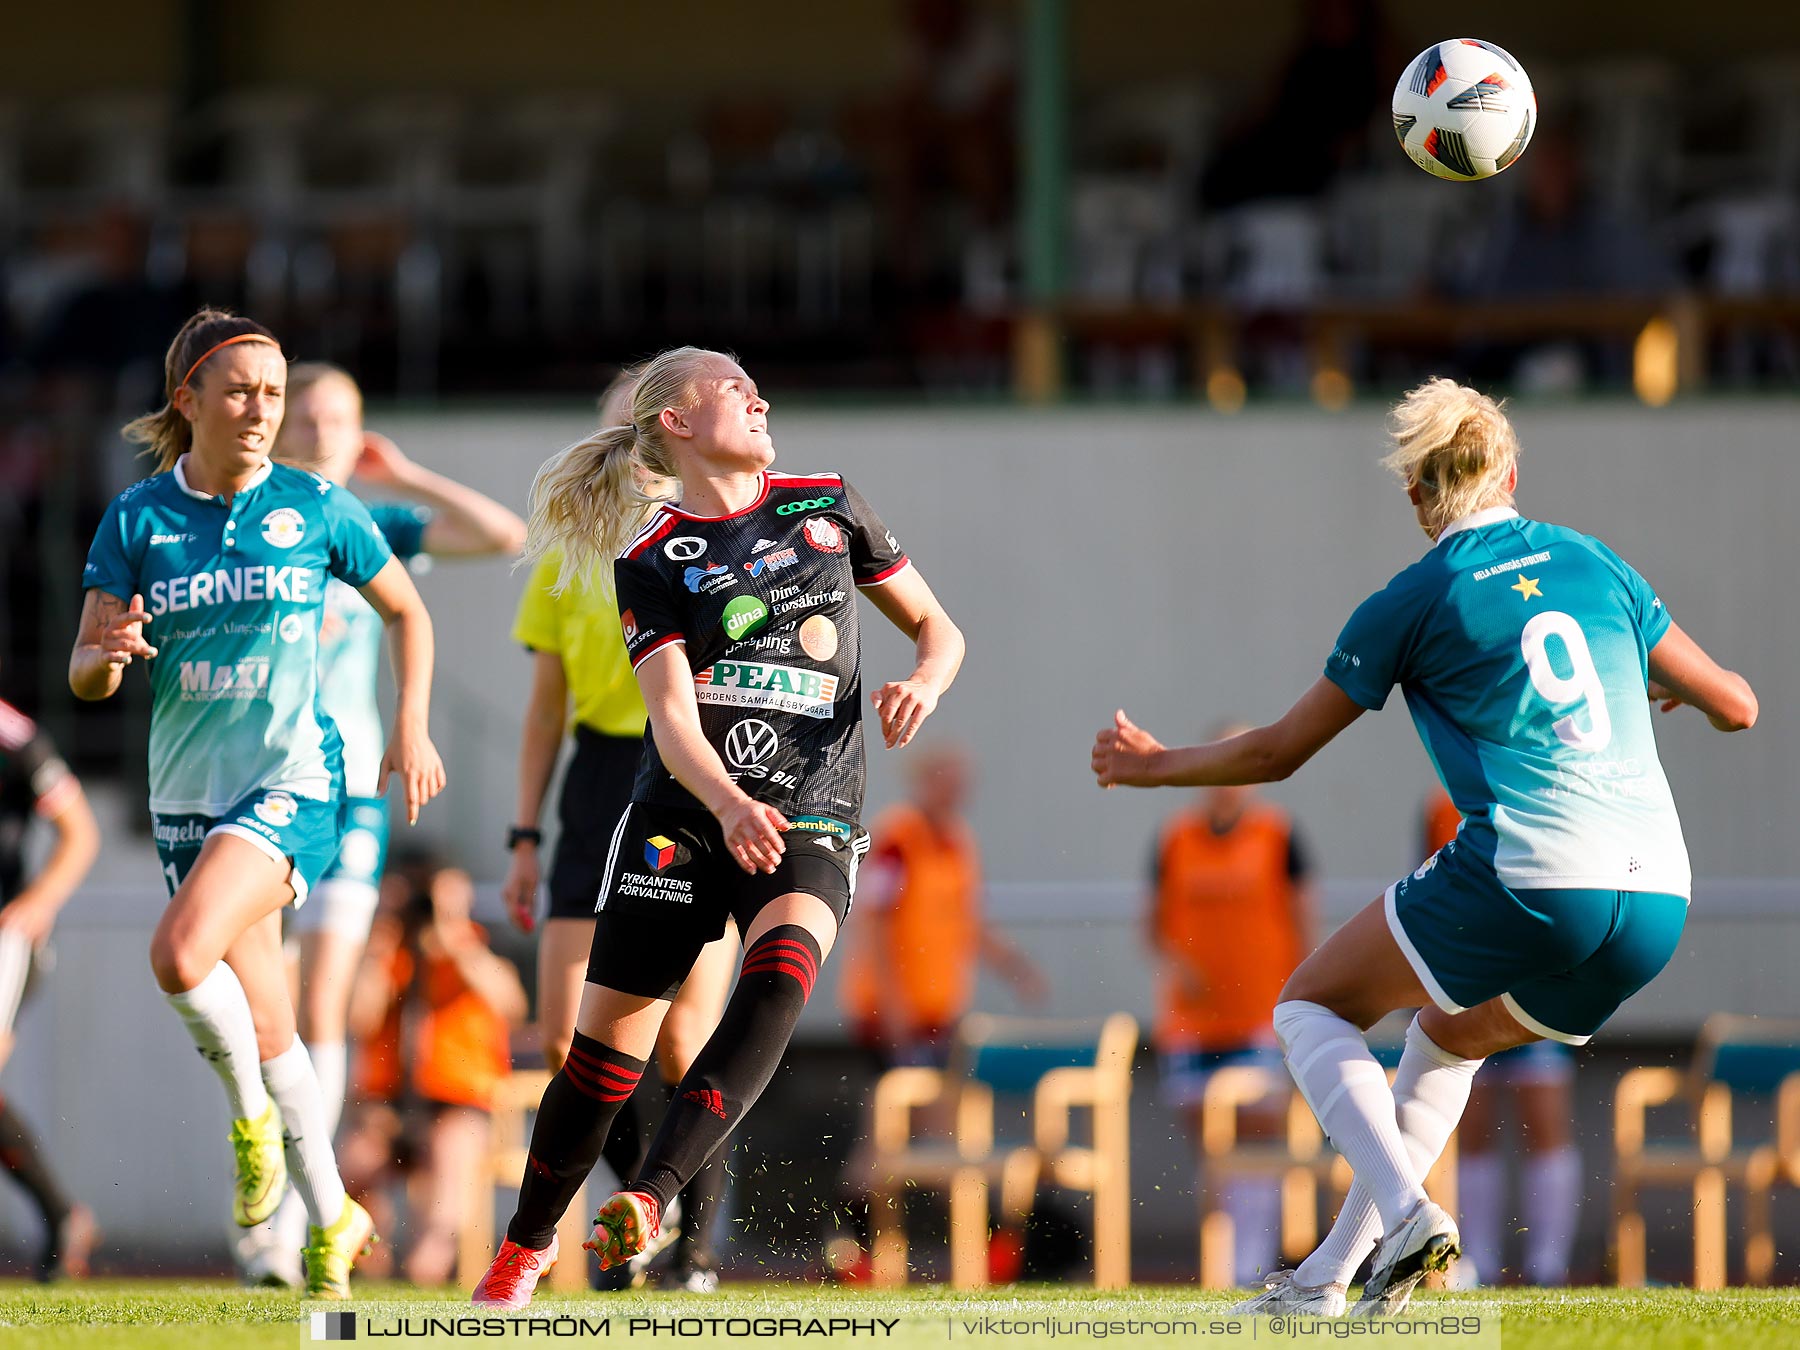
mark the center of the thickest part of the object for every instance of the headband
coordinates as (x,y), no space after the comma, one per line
(230,341)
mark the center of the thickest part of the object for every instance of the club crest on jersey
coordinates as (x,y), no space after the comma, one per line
(684,548)
(706,580)
(823,534)
(283,527)
(276,809)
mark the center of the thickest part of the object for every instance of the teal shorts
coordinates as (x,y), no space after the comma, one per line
(1561,960)
(296,830)
(362,852)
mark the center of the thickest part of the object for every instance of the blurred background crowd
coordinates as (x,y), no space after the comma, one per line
(1049,208)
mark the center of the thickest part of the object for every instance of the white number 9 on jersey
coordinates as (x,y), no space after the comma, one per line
(1583,684)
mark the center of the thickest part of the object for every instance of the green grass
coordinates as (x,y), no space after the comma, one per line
(215,1316)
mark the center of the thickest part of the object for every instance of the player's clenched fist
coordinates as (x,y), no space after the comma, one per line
(1122,754)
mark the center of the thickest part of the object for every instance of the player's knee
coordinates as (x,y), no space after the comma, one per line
(175,964)
(684,1031)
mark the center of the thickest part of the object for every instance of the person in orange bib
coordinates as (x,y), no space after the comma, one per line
(1230,918)
(911,974)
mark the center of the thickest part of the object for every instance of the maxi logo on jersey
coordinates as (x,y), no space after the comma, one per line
(203,682)
(748,684)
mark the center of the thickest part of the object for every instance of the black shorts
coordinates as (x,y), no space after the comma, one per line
(672,885)
(595,792)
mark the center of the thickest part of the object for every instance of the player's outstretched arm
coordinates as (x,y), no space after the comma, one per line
(1125,755)
(752,829)
(910,606)
(465,523)
(1682,672)
(111,634)
(410,753)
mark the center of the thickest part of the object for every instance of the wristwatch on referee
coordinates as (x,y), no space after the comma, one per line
(522,834)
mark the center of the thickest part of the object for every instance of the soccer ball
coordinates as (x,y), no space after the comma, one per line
(1464,109)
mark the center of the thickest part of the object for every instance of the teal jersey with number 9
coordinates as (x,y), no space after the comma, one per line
(1522,650)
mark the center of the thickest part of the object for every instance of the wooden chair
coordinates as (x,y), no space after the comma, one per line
(515,1099)
(1060,1065)
(1734,1055)
(1779,1161)
(1299,1160)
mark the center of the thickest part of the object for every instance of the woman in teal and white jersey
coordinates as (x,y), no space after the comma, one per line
(323,432)
(225,556)
(1529,655)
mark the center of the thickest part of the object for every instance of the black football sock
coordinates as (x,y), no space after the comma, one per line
(737,1062)
(20,1156)
(629,1137)
(572,1123)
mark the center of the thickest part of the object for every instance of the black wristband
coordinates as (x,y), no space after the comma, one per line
(523,834)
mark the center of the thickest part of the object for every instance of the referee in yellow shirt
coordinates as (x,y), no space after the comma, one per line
(578,651)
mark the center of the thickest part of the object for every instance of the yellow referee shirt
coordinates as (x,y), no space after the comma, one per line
(584,630)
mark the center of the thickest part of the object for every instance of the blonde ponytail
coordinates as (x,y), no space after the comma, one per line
(591,498)
(165,434)
(1456,446)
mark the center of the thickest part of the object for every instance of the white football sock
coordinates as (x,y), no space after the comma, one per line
(217,1016)
(1431,1088)
(331,1062)
(1254,1204)
(1481,1197)
(311,1165)
(1550,1199)
(1348,1092)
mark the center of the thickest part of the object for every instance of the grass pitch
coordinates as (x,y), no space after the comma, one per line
(219,1316)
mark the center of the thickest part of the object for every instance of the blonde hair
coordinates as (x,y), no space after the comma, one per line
(303,375)
(1456,446)
(165,434)
(588,500)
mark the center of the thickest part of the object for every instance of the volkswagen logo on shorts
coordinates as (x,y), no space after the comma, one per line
(684,547)
(749,743)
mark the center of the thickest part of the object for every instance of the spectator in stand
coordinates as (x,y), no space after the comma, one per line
(1539,1082)
(910,975)
(1231,915)
(454,1002)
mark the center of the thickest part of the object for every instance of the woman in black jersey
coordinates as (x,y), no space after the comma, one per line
(737,598)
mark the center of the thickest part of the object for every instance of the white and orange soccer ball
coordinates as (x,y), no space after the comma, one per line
(1464,109)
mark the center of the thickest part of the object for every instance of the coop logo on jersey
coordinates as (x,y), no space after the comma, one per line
(824,535)
(744,616)
(292,628)
(753,684)
(772,562)
(684,548)
(706,580)
(203,682)
(283,527)
(810,504)
(276,809)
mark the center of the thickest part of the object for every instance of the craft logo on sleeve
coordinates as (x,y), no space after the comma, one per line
(823,534)
(283,527)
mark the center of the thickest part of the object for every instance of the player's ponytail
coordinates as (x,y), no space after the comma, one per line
(1456,446)
(590,499)
(165,434)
